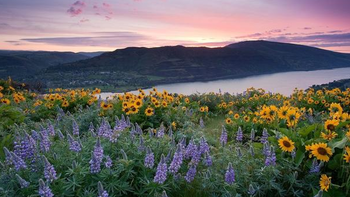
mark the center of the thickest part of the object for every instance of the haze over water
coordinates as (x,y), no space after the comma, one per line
(283,83)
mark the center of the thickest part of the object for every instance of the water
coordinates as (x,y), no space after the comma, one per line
(283,83)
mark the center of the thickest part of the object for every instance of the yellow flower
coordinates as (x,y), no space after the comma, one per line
(173,124)
(5,101)
(286,144)
(321,151)
(202,109)
(347,155)
(164,104)
(65,104)
(236,116)
(334,108)
(228,121)
(330,135)
(246,118)
(138,103)
(230,112)
(282,112)
(348,134)
(104,105)
(330,125)
(187,100)
(325,182)
(149,111)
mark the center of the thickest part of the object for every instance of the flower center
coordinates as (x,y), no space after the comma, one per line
(322,151)
(286,144)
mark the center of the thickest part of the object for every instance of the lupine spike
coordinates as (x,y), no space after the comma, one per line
(230,174)
(44,190)
(161,174)
(101,191)
(177,161)
(23,183)
(191,173)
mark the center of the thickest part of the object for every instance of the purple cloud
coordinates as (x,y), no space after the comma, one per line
(76,8)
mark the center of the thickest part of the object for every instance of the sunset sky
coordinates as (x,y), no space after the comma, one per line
(105,25)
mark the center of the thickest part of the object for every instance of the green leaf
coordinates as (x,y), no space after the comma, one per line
(338,144)
(335,162)
(306,130)
(300,155)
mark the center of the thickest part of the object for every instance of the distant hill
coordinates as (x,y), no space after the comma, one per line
(342,84)
(22,64)
(135,67)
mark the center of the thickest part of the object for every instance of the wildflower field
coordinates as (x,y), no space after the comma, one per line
(71,143)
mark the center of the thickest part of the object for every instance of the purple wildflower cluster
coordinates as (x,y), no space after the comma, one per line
(270,158)
(96,157)
(264,136)
(239,136)
(23,183)
(162,170)
(49,171)
(177,161)
(13,159)
(230,174)
(75,128)
(44,189)
(149,159)
(73,144)
(101,191)
(191,173)
(223,137)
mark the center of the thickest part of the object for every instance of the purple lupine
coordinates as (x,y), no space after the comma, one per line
(49,171)
(270,159)
(73,145)
(35,135)
(239,136)
(25,147)
(169,156)
(101,191)
(191,173)
(177,161)
(201,123)
(204,146)
(239,152)
(223,137)
(252,135)
(75,128)
(108,162)
(149,159)
(23,183)
(104,130)
(315,167)
(44,190)
(264,136)
(251,150)
(18,162)
(196,156)
(92,129)
(45,142)
(208,160)
(190,149)
(60,134)
(266,149)
(51,129)
(141,146)
(8,156)
(161,173)
(164,194)
(161,131)
(230,174)
(95,164)
(98,150)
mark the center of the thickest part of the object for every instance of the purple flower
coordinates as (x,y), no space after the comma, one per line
(204,146)
(201,123)
(98,150)
(252,134)
(75,128)
(161,173)
(196,156)
(141,145)
(35,135)
(315,167)
(223,137)
(191,173)
(25,147)
(239,136)
(177,161)
(23,183)
(73,145)
(264,136)
(230,174)
(239,152)
(49,171)
(108,162)
(270,159)
(266,149)
(251,150)
(161,131)
(8,156)
(45,142)
(190,149)
(51,129)
(207,160)
(105,129)
(101,191)
(60,134)
(44,190)
(18,162)
(95,164)
(149,159)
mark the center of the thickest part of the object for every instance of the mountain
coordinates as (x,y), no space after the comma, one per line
(342,84)
(135,67)
(22,64)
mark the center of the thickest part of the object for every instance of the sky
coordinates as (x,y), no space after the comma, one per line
(106,25)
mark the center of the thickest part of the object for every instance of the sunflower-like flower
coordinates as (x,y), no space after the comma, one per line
(236,116)
(325,182)
(334,108)
(330,125)
(321,151)
(286,144)
(347,155)
(348,135)
(282,112)
(149,111)
(329,135)
(228,121)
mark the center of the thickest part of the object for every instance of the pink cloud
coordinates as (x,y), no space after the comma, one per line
(84,20)
(76,8)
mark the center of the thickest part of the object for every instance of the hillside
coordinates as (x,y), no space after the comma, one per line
(22,64)
(136,67)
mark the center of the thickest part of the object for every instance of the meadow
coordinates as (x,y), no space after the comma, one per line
(69,142)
